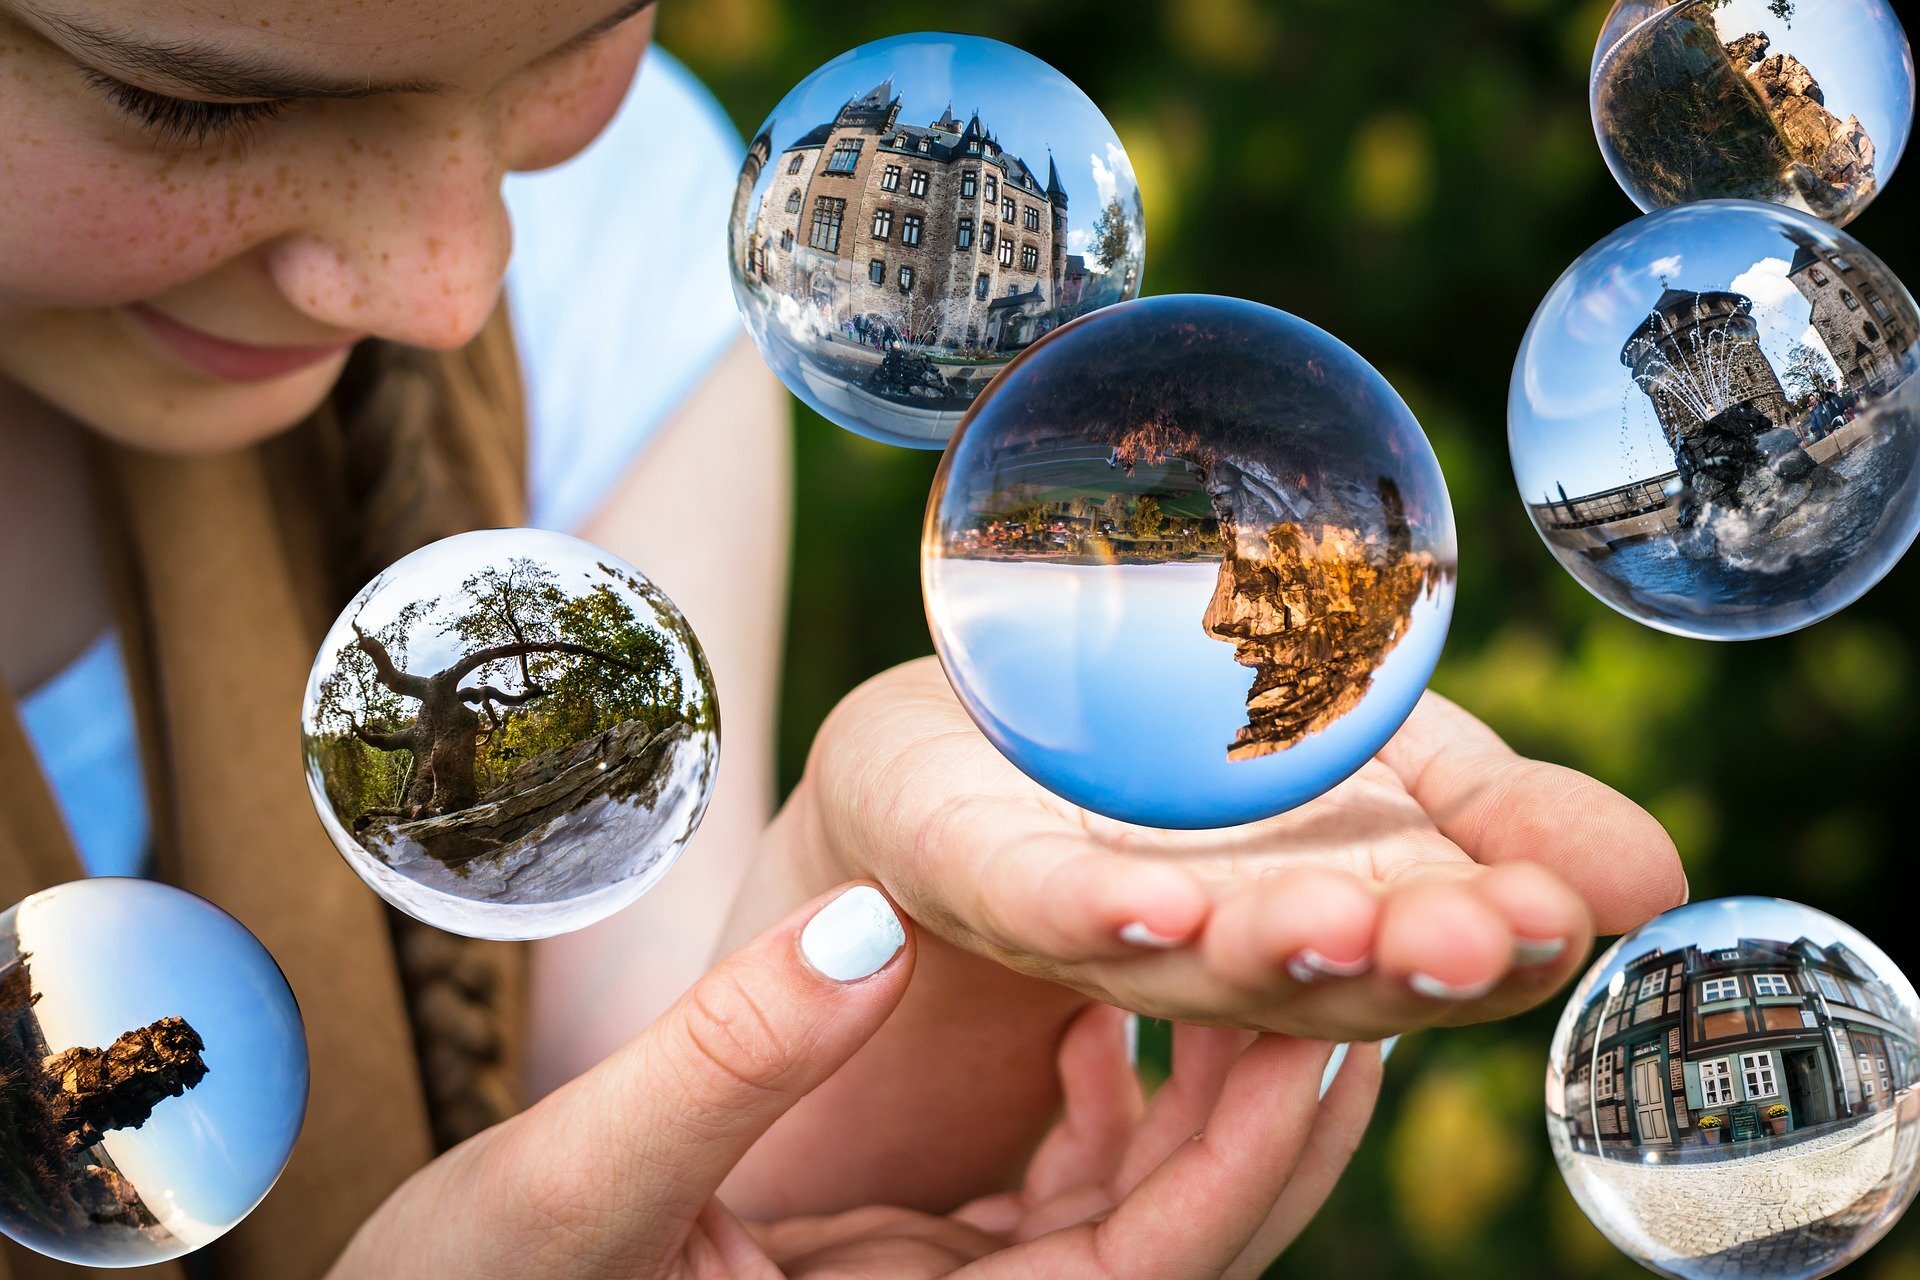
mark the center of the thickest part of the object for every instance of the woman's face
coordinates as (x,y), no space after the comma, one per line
(205,203)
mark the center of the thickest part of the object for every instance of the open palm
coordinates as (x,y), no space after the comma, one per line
(1449,881)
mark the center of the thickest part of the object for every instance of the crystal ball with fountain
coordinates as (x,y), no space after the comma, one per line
(1189,562)
(1713,420)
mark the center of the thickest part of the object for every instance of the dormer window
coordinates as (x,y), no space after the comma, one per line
(900,140)
(926,144)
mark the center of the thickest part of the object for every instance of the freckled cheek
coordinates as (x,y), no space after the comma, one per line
(553,118)
(91,228)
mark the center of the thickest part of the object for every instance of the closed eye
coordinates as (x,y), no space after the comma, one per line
(184,120)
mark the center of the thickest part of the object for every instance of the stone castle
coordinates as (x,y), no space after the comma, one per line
(932,235)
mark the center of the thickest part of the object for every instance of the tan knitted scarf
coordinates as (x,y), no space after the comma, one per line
(227,572)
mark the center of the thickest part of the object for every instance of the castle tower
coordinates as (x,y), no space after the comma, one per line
(1698,355)
(1861,313)
(1057,208)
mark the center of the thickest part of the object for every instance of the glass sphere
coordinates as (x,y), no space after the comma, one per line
(153,1072)
(1805,103)
(1731,1092)
(510,734)
(917,212)
(1189,562)
(1712,420)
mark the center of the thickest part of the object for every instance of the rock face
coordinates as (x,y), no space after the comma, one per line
(99,1090)
(1314,616)
(1833,158)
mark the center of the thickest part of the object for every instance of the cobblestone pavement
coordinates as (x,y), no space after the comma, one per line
(1782,1213)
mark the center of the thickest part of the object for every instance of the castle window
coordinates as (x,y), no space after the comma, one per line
(793,202)
(969,183)
(906,279)
(1006,209)
(980,287)
(917,184)
(1873,334)
(925,143)
(1033,218)
(786,238)
(993,188)
(793,165)
(986,237)
(846,155)
(973,148)
(890,180)
(877,271)
(1756,1069)
(1819,276)
(1719,989)
(1846,296)
(1029,257)
(992,150)
(1006,252)
(910,229)
(882,223)
(1880,307)
(963,238)
(1771,984)
(825,232)
(1841,262)
(1716,1083)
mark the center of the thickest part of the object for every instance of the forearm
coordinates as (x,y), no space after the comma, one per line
(945,1104)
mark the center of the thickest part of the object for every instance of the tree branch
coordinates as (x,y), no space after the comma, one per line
(402,741)
(486,693)
(393,677)
(494,653)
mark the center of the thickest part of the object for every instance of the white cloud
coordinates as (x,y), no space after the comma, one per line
(1108,175)
(1767,284)
(1666,268)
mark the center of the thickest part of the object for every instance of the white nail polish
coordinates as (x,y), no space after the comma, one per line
(1334,1064)
(1434,989)
(1310,966)
(1528,952)
(854,936)
(1138,935)
(1130,1029)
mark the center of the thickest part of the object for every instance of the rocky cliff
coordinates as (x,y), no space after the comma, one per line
(1833,157)
(100,1090)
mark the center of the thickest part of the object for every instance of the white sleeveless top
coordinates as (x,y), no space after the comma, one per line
(620,301)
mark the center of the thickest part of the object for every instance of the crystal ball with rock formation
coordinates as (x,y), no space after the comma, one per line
(1731,1092)
(1713,420)
(1803,103)
(153,1072)
(510,734)
(1189,562)
(917,212)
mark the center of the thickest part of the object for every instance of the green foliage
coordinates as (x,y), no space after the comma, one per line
(1112,234)
(1781,766)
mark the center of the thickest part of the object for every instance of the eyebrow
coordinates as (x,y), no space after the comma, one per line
(220,73)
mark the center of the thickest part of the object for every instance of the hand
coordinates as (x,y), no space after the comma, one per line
(1448,881)
(1211,1180)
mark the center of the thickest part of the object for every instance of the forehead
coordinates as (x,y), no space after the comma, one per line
(441,40)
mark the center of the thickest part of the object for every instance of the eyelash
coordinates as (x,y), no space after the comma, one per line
(183,120)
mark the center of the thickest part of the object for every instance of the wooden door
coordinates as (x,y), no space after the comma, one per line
(1650,1101)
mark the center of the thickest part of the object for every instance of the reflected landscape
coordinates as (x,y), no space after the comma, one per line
(1804,103)
(1731,1092)
(916,213)
(510,734)
(1190,562)
(1713,419)
(153,1072)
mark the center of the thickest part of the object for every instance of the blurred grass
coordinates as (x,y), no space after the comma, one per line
(1412,178)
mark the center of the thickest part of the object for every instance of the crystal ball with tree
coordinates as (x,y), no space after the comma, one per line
(1804,103)
(915,213)
(1731,1092)
(510,734)
(1189,562)
(153,1072)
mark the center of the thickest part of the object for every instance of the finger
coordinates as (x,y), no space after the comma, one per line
(1552,931)
(1441,940)
(1500,806)
(1103,1106)
(640,1143)
(1337,1129)
(721,1246)
(1203,1057)
(1293,928)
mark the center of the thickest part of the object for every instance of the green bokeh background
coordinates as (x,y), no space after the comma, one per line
(1412,176)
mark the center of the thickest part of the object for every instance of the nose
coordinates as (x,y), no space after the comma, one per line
(409,239)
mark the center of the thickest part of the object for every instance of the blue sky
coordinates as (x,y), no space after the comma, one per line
(1025,103)
(1575,416)
(1855,49)
(113,955)
(1721,922)
(1100,683)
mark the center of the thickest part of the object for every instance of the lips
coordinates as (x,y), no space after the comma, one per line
(223,358)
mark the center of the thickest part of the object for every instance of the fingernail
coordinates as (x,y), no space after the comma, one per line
(1528,952)
(1130,1029)
(854,936)
(1434,989)
(1309,965)
(1138,935)
(1338,1060)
